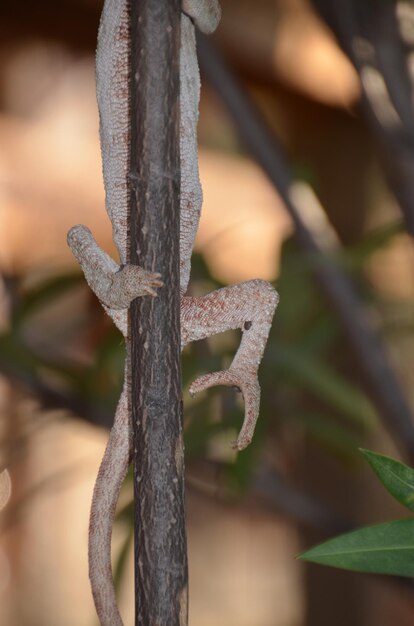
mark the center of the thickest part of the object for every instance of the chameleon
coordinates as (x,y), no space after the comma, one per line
(248,306)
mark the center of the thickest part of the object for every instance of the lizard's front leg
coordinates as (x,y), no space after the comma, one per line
(249,306)
(115,286)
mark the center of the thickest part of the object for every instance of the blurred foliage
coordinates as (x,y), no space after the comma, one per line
(308,388)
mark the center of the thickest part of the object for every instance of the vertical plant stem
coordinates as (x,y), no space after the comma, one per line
(160,536)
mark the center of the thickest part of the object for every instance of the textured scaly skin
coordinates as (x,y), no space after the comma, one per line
(249,306)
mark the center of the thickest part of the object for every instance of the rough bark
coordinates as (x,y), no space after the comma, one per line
(160,536)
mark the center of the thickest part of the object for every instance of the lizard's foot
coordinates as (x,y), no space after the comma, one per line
(245,382)
(138,282)
(115,286)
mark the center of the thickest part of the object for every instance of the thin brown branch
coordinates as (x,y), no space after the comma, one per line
(160,535)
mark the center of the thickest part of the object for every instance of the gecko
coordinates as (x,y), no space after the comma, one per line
(248,306)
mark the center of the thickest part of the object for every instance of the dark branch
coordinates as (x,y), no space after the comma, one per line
(160,536)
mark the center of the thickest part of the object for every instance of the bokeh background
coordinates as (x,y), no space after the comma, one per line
(331,85)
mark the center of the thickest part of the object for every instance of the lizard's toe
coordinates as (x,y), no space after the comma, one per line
(137,282)
(249,387)
(150,282)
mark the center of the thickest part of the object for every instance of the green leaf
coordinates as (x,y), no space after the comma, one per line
(382,549)
(397,478)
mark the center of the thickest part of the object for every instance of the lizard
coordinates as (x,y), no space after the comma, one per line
(248,306)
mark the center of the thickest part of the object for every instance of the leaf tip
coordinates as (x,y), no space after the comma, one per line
(303,556)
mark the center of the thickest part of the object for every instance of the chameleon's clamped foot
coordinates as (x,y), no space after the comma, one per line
(139,282)
(248,384)
(115,286)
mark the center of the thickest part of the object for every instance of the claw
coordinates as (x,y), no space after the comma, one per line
(149,279)
(150,292)
(150,282)
(153,279)
(135,281)
(249,387)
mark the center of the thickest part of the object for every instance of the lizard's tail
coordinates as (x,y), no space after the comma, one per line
(105,495)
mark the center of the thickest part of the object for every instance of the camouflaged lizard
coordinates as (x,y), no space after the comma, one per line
(248,306)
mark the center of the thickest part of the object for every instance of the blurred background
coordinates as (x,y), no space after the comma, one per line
(306,156)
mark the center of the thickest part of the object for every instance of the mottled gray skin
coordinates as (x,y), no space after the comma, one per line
(249,306)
